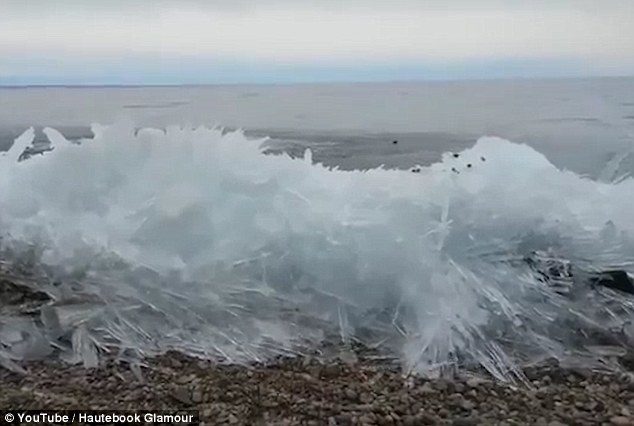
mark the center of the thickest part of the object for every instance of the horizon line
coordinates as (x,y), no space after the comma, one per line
(306,83)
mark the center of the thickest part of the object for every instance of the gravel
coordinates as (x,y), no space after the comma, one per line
(305,391)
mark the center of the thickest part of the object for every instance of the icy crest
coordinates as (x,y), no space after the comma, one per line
(192,239)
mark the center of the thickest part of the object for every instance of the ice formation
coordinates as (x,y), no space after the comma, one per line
(192,239)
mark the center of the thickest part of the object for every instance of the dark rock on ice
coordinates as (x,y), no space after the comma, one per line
(14,294)
(551,270)
(627,360)
(616,280)
(19,295)
(559,273)
(30,151)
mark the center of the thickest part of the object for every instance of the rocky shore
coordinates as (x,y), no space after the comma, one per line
(305,391)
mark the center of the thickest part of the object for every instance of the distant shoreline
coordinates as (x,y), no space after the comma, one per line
(310,83)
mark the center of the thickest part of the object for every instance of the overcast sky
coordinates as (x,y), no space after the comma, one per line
(233,41)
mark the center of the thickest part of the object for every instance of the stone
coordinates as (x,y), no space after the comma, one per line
(183,379)
(343,419)
(466,421)
(366,419)
(441,385)
(621,421)
(182,394)
(351,394)
(426,389)
(366,398)
(427,419)
(410,421)
(197,396)
(475,382)
(467,405)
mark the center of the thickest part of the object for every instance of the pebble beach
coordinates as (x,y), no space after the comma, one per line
(304,391)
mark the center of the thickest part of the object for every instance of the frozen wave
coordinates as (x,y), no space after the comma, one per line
(192,239)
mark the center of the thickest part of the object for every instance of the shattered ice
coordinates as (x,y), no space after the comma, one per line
(192,239)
